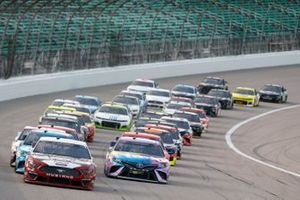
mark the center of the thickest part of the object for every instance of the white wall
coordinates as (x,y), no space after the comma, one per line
(47,83)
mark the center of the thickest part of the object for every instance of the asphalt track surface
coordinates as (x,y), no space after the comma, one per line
(208,170)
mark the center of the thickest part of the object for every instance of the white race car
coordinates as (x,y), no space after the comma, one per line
(158,97)
(142,85)
(113,116)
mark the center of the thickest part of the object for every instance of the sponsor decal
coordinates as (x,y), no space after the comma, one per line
(59,176)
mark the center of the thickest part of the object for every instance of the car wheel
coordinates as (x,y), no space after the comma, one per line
(12,161)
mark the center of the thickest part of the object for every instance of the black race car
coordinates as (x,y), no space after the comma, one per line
(212,83)
(224,97)
(209,104)
(273,93)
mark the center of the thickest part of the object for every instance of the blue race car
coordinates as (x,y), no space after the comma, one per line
(30,141)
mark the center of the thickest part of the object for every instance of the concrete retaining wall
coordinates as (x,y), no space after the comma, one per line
(47,83)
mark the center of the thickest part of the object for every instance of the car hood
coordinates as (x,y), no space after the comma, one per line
(136,158)
(109,116)
(242,95)
(62,161)
(157,98)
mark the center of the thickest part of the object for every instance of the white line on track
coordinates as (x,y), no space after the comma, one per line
(234,128)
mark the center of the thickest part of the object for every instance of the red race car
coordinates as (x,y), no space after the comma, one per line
(61,162)
(202,115)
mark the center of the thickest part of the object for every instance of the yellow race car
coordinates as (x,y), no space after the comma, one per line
(245,95)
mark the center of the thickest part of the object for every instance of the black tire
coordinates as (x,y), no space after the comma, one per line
(12,161)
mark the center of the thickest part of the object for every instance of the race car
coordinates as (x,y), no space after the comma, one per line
(137,159)
(113,116)
(167,140)
(140,95)
(201,113)
(60,162)
(187,91)
(158,97)
(184,128)
(273,93)
(91,102)
(212,83)
(27,129)
(209,104)
(131,102)
(224,96)
(172,128)
(142,85)
(30,141)
(246,95)
(172,106)
(194,120)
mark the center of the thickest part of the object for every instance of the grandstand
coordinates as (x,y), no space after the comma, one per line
(45,36)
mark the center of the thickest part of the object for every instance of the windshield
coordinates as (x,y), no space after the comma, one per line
(272,88)
(62,149)
(180,124)
(159,93)
(184,89)
(150,149)
(245,92)
(113,110)
(142,83)
(86,119)
(126,100)
(63,123)
(87,101)
(213,81)
(219,93)
(206,100)
(34,137)
(166,138)
(24,134)
(189,117)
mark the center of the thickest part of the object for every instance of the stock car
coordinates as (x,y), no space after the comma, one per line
(137,159)
(26,130)
(246,95)
(212,83)
(209,104)
(167,140)
(187,91)
(194,120)
(131,102)
(274,93)
(172,106)
(142,85)
(113,116)
(30,141)
(140,95)
(158,97)
(172,128)
(91,102)
(201,113)
(184,128)
(224,96)
(61,162)
(64,122)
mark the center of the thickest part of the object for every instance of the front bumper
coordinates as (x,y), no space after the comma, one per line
(148,173)
(243,101)
(20,164)
(113,125)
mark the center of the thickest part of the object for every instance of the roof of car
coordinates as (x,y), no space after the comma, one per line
(174,118)
(141,140)
(160,89)
(145,80)
(87,97)
(185,112)
(60,108)
(62,115)
(141,135)
(214,77)
(63,140)
(192,109)
(184,85)
(180,103)
(56,127)
(115,105)
(276,85)
(215,89)
(131,92)
(50,132)
(59,118)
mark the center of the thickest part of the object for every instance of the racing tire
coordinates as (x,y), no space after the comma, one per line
(12,161)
